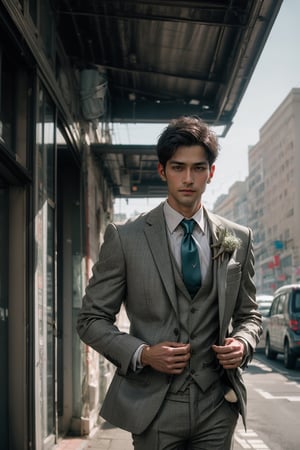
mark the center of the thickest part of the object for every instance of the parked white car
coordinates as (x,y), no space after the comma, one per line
(264,305)
(283,326)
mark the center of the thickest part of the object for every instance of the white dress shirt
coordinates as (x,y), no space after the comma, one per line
(201,236)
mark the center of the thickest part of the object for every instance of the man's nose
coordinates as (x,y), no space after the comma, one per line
(188,176)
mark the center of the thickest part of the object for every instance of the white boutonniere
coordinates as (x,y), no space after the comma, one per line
(226,243)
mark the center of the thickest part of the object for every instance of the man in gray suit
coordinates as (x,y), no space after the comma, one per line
(178,382)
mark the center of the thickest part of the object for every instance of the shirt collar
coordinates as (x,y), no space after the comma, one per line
(173,218)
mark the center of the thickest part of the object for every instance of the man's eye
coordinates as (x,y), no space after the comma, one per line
(200,168)
(177,168)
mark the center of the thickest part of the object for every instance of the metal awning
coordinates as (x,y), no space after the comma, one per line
(162,58)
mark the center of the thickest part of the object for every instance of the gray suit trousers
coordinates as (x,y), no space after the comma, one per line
(191,420)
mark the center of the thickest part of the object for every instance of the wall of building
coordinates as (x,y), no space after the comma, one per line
(96,371)
(234,205)
(275,198)
(270,197)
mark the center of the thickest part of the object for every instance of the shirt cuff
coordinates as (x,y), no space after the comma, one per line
(247,354)
(136,363)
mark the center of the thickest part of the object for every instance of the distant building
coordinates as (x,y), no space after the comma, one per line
(268,201)
(273,197)
(233,206)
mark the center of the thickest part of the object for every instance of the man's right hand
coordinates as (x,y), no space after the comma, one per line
(167,357)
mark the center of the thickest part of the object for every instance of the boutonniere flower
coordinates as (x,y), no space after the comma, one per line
(226,243)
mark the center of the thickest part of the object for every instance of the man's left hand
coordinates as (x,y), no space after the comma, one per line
(231,354)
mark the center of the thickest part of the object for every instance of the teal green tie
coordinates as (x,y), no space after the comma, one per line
(190,258)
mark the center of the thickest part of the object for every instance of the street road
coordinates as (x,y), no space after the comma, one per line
(273,407)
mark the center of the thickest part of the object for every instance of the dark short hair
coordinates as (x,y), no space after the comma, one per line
(187,131)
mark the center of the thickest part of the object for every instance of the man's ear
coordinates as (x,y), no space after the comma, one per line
(211,173)
(161,172)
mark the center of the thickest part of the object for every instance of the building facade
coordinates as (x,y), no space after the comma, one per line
(274,189)
(268,201)
(54,205)
(234,205)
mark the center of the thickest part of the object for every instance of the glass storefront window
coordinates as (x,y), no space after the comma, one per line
(45,269)
(3,318)
(33,10)
(50,321)
(47,29)
(15,105)
(6,102)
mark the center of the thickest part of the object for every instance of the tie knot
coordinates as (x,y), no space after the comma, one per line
(188,225)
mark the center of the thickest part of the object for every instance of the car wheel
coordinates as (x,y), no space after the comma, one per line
(270,354)
(288,358)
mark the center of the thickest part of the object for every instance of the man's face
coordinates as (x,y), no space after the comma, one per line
(187,174)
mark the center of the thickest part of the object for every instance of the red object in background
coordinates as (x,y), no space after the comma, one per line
(276,259)
(281,277)
(294,324)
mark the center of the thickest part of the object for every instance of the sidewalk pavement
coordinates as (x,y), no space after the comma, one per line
(104,437)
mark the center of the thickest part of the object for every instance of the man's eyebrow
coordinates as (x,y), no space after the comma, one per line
(181,163)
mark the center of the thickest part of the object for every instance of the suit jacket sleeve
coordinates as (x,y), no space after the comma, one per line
(104,296)
(246,320)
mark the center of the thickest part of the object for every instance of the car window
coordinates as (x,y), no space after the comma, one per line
(296,302)
(274,306)
(280,306)
(264,306)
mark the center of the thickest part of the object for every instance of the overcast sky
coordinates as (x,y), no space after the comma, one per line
(277,72)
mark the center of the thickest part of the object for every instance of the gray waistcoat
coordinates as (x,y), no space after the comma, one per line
(199,325)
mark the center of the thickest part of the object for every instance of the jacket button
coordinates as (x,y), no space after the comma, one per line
(176,331)
(192,371)
(193,310)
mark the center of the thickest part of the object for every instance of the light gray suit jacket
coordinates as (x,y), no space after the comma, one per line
(135,268)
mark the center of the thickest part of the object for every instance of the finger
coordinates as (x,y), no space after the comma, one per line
(222,349)
(231,363)
(230,358)
(180,352)
(175,344)
(176,367)
(181,358)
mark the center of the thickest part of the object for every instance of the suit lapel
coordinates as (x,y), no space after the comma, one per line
(220,269)
(155,232)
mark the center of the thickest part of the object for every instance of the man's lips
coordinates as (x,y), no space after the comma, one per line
(187,191)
